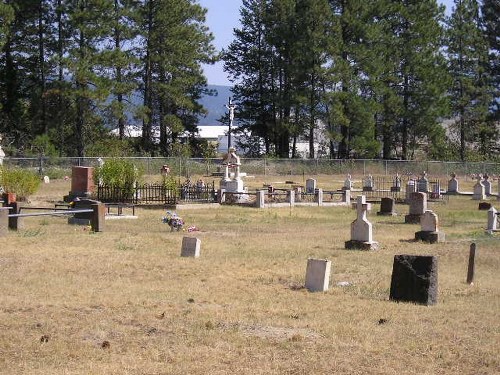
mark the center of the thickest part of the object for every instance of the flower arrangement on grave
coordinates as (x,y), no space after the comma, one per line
(174,221)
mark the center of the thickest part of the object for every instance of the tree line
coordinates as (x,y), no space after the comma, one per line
(378,77)
(71,69)
(374,78)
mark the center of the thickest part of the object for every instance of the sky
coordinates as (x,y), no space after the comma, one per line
(222,17)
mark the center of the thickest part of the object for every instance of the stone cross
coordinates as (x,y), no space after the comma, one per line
(361,228)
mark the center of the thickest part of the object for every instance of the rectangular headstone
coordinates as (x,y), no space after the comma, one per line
(418,203)
(190,247)
(310,185)
(82,180)
(318,275)
(414,279)
(387,206)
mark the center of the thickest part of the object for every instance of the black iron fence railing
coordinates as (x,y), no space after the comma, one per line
(157,194)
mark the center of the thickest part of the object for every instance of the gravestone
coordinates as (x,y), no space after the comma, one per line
(318,275)
(348,183)
(452,185)
(260,201)
(387,207)
(423,183)
(310,186)
(396,183)
(83,218)
(492,220)
(368,184)
(414,279)
(418,206)
(411,187)
(82,183)
(46,179)
(361,228)
(479,193)
(429,229)
(190,247)
(484,206)
(487,185)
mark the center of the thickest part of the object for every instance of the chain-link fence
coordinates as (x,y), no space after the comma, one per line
(59,167)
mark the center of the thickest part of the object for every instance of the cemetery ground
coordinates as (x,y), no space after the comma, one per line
(123,301)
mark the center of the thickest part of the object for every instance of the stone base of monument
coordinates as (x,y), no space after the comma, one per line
(360,245)
(412,219)
(77,221)
(430,237)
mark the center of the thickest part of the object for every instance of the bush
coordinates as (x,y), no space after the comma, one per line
(19,181)
(117,173)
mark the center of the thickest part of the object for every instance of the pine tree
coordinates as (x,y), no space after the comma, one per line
(467,57)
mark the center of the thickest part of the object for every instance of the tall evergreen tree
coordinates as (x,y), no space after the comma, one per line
(467,56)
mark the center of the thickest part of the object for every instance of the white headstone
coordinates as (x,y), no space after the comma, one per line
(46,180)
(492,220)
(361,228)
(429,222)
(348,183)
(318,275)
(479,193)
(190,247)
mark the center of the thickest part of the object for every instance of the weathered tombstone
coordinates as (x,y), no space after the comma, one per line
(423,183)
(310,186)
(97,217)
(387,207)
(487,185)
(411,187)
(492,220)
(414,279)
(260,200)
(368,184)
(82,218)
(418,206)
(190,247)
(479,193)
(318,275)
(82,183)
(348,183)
(361,229)
(46,179)
(319,197)
(484,206)
(396,183)
(4,221)
(429,231)
(452,184)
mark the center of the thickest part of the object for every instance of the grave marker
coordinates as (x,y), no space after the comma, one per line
(429,231)
(418,206)
(414,279)
(492,220)
(387,207)
(318,275)
(361,229)
(310,186)
(452,184)
(190,247)
(479,192)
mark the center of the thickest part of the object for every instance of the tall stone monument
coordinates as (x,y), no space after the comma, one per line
(361,229)
(232,181)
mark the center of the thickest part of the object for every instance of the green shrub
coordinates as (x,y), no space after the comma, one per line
(117,173)
(19,181)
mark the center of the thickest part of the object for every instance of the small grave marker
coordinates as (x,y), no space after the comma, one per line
(318,275)
(190,247)
(429,231)
(418,205)
(387,207)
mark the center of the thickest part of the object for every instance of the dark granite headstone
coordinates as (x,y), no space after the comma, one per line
(387,207)
(414,279)
(484,206)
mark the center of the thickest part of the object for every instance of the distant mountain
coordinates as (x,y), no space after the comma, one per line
(215,105)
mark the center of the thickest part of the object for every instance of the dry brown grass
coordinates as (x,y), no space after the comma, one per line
(125,302)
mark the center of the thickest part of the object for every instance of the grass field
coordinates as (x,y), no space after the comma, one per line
(124,302)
